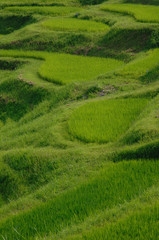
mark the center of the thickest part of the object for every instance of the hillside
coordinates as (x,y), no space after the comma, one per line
(79,119)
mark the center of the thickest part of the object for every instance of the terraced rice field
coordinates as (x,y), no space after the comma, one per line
(104,121)
(69,24)
(142,65)
(63,68)
(79,120)
(144,13)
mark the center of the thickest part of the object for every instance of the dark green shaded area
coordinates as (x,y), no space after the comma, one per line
(20,97)
(145,151)
(9,65)
(91,2)
(150,2)
(10,23)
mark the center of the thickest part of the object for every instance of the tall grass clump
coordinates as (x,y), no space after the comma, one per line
(104,121)
(123,182)
(76,25)
(143,13)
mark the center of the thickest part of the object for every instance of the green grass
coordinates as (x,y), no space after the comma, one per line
(109,219)
(76,25)
(104,121)
(121,183)
(65,68)
(142,65)
(143,13)
(54,11)
(141,225)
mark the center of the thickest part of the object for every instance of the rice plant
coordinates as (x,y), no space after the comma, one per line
(104,121)
(142,65)
(76,25)
(143,13)
(66,68)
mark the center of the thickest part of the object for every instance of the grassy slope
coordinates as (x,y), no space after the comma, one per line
(66,188)
(105,191)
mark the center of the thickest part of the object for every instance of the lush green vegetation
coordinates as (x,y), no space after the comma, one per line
(10,23)
(66,68)
(144,65)
(38,2)
(54,11)
(90,2)
(70,24)
(155,2)
(105,191)
(104,121)
(141,13)
(142,224)
(63,68)
(79,117)
(9,64)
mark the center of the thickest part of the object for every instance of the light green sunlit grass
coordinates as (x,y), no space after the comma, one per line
(72,24)
(55,11)
(103,121)
(142,65)
(144,13)
(121,182)
(66,68)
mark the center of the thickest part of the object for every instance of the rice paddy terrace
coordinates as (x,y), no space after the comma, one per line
(79,119)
